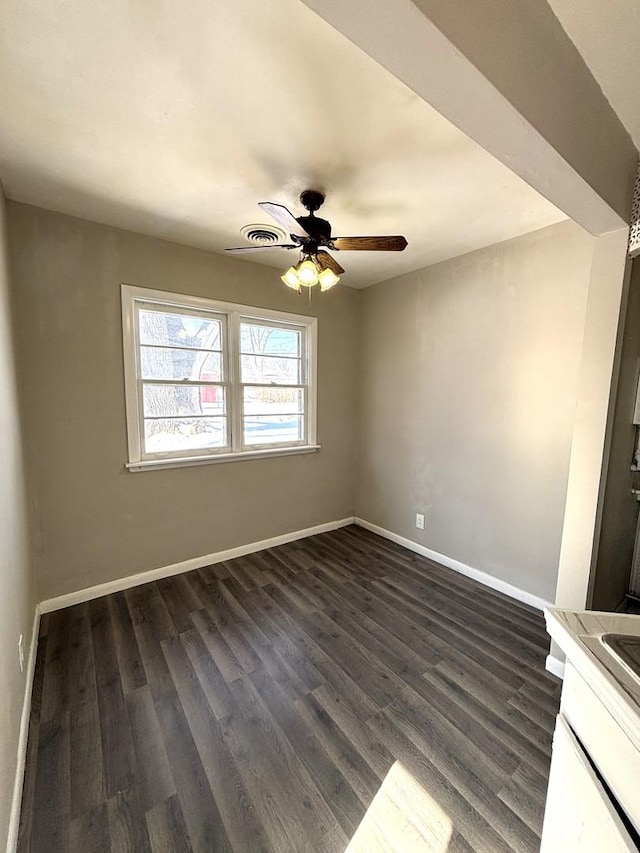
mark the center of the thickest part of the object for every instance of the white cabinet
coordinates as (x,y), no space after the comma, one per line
(579,815)
(593,799)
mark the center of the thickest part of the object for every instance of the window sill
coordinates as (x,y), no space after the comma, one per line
(188,461)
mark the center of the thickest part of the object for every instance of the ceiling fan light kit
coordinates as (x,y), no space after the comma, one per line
(307,273)
(312,235)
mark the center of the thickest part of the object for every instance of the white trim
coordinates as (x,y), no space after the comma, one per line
(475,574)
(119,584)
(185,462)
(203,303)
(16,801)
(231,315)
(555,666)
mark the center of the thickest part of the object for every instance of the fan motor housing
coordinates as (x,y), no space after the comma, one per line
(315,227)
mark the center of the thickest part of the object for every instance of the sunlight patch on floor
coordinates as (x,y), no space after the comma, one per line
(402,817)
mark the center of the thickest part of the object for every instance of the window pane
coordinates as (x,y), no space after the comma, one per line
(273,401)
(182,330)
(272,429)
(165,435)
(270,370)
(182,400)
(269,340)
(160,363)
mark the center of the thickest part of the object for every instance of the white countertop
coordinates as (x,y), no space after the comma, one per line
(578,633)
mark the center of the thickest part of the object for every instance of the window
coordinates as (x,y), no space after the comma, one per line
(211,381)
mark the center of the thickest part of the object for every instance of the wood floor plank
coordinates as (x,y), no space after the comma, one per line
(465,767)
(211,679)
(313,826)
(55,689)
(447,633)
(491,641)
(463,591)
(201,814)
(391,620)
(44,625)
(525,795)
(118,762)
(461,608)
(132,672)
(373,677)
(501,721)
(295,555)
(86,764)
(152,624)
(220,614)
(473,827)
(222,654)
(175,603)
(167,829)
(261,704)
(227,788)
(283,633)
(154,779)
(301,730)
(501,760)
(428,568)
(241,571)
(538,705)
(52,808)
(232,593)
(226,785)
(91,832)
(372,637)
(127,825)
(343,753)
(354,727)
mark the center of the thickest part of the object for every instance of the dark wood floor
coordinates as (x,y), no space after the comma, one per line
(258,704)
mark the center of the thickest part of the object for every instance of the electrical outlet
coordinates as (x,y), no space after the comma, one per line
(420,520)
(21,651)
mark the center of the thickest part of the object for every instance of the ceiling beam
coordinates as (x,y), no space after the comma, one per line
(507,75)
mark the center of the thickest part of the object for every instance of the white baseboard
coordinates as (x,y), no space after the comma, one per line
(476,575)
(101,589)
(14,819)
(554,666)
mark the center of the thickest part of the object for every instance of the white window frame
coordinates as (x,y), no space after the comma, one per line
(232,315)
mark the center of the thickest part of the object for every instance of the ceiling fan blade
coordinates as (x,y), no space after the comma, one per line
(325,261)
(284,217)
(371,244)
(242,249)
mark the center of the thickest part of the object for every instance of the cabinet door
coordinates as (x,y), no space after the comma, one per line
(579,815)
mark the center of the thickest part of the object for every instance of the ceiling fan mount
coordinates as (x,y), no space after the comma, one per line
(312,235)
(312,200)
(318,230)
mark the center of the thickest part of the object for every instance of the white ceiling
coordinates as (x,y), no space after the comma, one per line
(607,35)
(174,119)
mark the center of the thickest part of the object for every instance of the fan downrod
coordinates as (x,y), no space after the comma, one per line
(311,200)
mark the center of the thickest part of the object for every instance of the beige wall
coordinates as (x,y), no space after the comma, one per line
(620,510)
(96,521)
(17,596)
(468,402)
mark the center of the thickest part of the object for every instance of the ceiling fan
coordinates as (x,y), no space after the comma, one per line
(312,236)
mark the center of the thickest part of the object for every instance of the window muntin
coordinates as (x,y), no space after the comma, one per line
(208,379)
